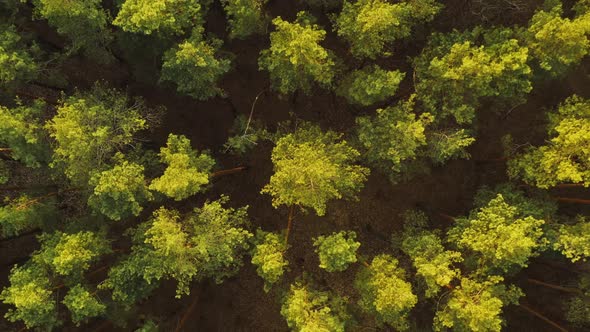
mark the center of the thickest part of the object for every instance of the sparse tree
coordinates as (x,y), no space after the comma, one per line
(187,171)
(385,293)
(371,25)
(313,167)
(295,59)
(370,85)
(566,156)
(336,251)
(456,70)
(245,17)
(268,255)
(306,309)
(17,62)
(195,66)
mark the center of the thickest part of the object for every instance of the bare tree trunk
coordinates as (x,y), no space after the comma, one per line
(552,286)
(229,171)
(289,223)
(572,200)
(542,317)
(186,314)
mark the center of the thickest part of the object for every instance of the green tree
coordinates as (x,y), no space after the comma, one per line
(370,85)
(456,70)
(337,251)
(208,243)
(432,261)
(476,306)
(555,42)
(89,128)
(577,308)
(22,133)
(385,293)
(245,17)
(120,191)
(71,254)
(195,65)
(573,240)
(312,167)
(306,309)
(31,294)
(499,234)
(25,213)
(164,16)
(83,22)
(187,171)
(393,137)
(268,257)
(447,144)
(566,156)
(16,60)
(295,58)
(82,304)
(370,25)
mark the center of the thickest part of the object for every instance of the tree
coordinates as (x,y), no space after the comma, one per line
(208,243)
(84,23)
(69,255)
(566,156)
(62,255)
(22,133)
(577,308)
(476,306)
(268,257)
(245,17)
(195,65)
(306,309)
(385,293)
(295,59)
(163,16)
(393,137)
(573,240)
(120,191)
(432,262)
(555,42)
(82,304)
(16,60)
(31,295)
(25,213)
(369,25)
(312,167)
(370,85)
(499,234)
(89,128)
(447,144)
(456,70)
(187,170)
(337,251)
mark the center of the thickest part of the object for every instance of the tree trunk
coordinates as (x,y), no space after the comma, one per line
(446,216)
(229,171)
(552,286)
(542,317)
(186,314)
(289,223)
(27,233)
(572,200)
(569,185)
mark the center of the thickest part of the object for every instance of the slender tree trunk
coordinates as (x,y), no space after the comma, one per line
(446,216)
(27,233)
(289,223)
(492,160)
(229,171)
(186,314)
(569,185)
(572,200)
(552,286)
(542,317)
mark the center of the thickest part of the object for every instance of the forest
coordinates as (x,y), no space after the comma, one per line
(294,165)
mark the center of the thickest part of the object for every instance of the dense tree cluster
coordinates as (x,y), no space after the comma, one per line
(123,197)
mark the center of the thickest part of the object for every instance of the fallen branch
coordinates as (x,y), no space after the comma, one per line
(552,286)
(289,223)
(186,314)
(229,171)
(542,317)
(572,200)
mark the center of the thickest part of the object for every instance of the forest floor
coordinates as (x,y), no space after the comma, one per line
(240,304)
